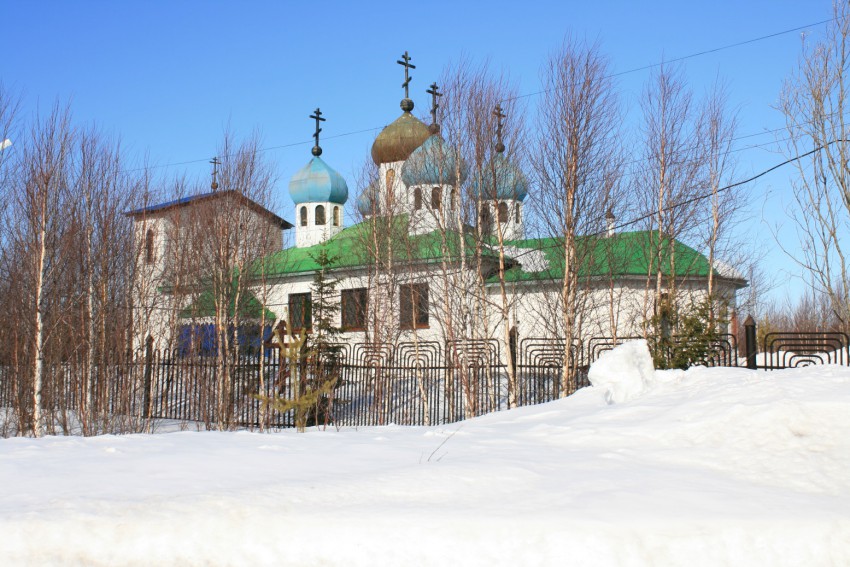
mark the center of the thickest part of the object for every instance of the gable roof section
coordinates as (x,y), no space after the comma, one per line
(532,259)
(349,247)
(622,254)
(211,196)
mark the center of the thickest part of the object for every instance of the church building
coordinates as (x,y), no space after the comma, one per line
(417,267)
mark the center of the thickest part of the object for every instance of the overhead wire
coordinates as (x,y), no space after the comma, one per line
(527,95)
(696,198)
(690,56)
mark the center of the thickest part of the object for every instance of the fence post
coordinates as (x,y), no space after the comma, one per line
(148,371)
(750,342)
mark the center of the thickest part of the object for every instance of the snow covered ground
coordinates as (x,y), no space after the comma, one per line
(703,467)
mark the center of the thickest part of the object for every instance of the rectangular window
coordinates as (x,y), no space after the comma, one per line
(354,302)
(149,246)
(195,339)
(300,311)
(413,304)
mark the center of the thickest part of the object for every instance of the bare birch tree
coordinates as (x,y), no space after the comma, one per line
(36,236)
(576,166)
(815,104)
(100,193)
(670,172)
(227,238)
(480,257)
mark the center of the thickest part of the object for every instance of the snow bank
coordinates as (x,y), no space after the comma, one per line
(708,467)
(624,372)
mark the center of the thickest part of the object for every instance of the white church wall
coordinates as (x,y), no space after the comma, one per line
(607,309)
(430,215)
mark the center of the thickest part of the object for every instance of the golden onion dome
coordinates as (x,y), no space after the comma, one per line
(398,140)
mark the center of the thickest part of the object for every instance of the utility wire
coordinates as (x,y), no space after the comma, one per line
(694,199)
(620,73)
(689,56)
(270,148)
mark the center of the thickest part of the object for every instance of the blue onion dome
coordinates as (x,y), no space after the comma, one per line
(502,180)
(367,200)
(318,182)
(433,163)
(398,140)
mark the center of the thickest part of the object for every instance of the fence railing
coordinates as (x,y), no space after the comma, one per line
(421,383)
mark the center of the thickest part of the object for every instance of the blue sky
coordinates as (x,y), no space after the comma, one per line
(168,77)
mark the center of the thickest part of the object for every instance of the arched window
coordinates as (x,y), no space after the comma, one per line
(485,221)
(503,213)
(320,215)
(303,213)
(452,198)
(336,216)
(517,213)
(417,199)
(390,188)
(436,198)
(149,250)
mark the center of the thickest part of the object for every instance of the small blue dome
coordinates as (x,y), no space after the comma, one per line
(502,180)
(367,202)
(317,182)
(433,163)
(364,203)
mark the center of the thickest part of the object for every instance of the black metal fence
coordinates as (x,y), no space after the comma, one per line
(413,383)
(794,350)
(423,383)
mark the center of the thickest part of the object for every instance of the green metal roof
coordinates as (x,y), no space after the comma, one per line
(249,307)
(349,247)
(532,259)
(622,254)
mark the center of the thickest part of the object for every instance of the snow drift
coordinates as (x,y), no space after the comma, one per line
(623,372)
(698,467)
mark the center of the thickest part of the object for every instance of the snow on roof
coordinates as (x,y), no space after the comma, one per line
(531,260)
(726,270)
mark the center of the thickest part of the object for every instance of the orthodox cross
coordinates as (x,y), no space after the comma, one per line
(407,66)
(433,91)
(317,116)
(500,147)
(214,161)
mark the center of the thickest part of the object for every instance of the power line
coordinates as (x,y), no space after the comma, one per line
(270,148)
(694,199)
(620,73)
(741,137)
(690,56)
(634,171)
